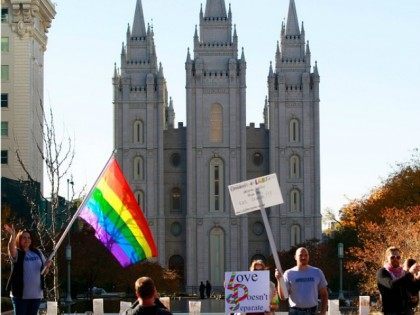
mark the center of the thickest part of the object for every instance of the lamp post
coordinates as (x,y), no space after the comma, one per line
(340,257)
(68,252)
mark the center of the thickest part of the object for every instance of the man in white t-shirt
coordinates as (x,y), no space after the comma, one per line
(304,283)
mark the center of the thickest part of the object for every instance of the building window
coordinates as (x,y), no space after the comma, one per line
(4,157)
(216,184)
(294,130)
(295,200)
(4,100)
(258,158)
(217,255)
(294,167)
(295,235)
(216,123)
(176,199)
(5,128)
(258,228)
(176,229)
(5,44)
(4,15)
(175,159)
(138,131)
(4,72)
(138,168)
(140,199)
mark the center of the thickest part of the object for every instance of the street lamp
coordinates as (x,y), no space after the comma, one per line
(340,257)
(68,252)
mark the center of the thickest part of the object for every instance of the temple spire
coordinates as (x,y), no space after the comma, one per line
(215,8)
(139,29)
(292,25)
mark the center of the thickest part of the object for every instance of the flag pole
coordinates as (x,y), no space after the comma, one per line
(76,214)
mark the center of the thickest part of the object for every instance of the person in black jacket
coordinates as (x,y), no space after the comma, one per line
(414,288)
(26,281)
(393,283)
(146,299)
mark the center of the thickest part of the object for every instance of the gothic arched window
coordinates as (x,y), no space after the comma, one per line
(294,167)
(217,255)
(138,168)
(294,130)
(139,194)
(216,184)
(216,123)
(294,235)
(295,200)
(138,131)
(176,199)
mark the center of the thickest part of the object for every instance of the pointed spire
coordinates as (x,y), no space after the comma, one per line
(215,8)
(278,49)
(139,29)
(128,29)
(188,55)
(122,49)
(243,54)
(265,112)
(230,12)
(160,74)
(308,51)
(302,30)
(292,26)
(196,32)
(270,71)
(316,69)
(171,103)
(234,31)
(115,70)
(201,10)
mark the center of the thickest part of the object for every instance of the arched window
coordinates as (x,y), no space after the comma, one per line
(216,123)
(294,167)
(139,194)
(138,168)
(294,134)
(294,235)
(217,256)
(176,199)
(295,200)
(216,184)
(138,131)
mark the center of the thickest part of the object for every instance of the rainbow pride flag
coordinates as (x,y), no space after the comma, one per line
(112,210)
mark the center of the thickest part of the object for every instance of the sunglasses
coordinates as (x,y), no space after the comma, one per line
(395,257)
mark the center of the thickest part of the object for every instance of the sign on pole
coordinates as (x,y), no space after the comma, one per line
(259,193)
(247,292)
(244,195)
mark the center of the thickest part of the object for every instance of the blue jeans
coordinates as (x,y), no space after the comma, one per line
(25,306)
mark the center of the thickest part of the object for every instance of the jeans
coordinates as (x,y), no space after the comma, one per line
(25,306)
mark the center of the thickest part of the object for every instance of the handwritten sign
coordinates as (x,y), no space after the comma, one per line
(247,291)
(244,194)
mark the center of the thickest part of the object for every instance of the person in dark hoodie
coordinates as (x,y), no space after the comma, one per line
(26,281)
(393,283)
(414,288)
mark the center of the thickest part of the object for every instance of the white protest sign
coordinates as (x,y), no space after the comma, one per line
(244,196)
(247,291)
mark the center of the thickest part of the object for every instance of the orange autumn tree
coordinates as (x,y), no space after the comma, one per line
(397,227)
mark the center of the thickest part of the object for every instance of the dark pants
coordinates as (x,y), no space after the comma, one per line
(26,306)
(297,311)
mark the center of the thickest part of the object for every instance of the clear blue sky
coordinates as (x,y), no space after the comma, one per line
(368,60)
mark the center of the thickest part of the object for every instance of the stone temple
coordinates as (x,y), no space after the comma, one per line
(180,173)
